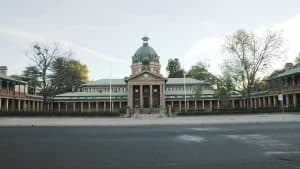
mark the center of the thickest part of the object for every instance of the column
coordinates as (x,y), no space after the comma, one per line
(19,105)
(269,101)
(130,100)
(188,105)
(251,103)
(203,104)
(179,106)
(81,106)
(151,96)
(141,96)
(6,104)
(210,104)
(104,106)
(259,102)
(112,105)
(0,101)
(89,106)
(172,104)
(195,104)
(274,100)
(38,105)
(255,103)
(232,102)
(264,102)
(24,105)
(58,106)
(97,106)
(33,106)
(295,100)
(162,95)
(287,100)
(218,102)
(66,106)
(74,106)
(120,105)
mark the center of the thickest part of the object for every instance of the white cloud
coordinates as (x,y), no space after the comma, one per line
(92,58)
(208,50)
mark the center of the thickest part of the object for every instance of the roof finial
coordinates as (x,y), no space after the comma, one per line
(145,39)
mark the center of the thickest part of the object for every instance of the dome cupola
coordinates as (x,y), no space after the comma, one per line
(145,54)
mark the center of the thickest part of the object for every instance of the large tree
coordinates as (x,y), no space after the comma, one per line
(31,75)
(250,54)
(68,74)
(225,86)
(174,68)
(200,71)
(43,56)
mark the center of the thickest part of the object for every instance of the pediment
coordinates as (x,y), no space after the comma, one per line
(146,77)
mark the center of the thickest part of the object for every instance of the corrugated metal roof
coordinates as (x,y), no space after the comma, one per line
(288,72)
(188,92)
(7,78)
(91,94)
(175,81)
(106,82)
(171,81)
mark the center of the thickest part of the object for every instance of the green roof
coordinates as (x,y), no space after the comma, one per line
(90,95)
(121,82)
(106,82)
(288,72)
(188,92)
(180,81)
(145,54)
(7,78)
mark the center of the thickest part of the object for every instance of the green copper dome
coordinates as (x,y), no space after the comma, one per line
(145,54)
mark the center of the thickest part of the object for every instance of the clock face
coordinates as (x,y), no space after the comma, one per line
(146,75)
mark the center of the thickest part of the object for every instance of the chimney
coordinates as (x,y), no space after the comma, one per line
(288,66)
(3,70)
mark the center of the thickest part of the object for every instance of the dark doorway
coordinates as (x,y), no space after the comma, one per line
(136,96)
(146,96)
(156,96)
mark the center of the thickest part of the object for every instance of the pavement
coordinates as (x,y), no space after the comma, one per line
(271,145)
(100,121)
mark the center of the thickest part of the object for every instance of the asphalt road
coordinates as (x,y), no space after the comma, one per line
(245,146)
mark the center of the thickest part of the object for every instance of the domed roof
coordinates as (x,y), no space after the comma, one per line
(145,54)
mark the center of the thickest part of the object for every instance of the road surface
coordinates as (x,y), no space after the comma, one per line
(213,146)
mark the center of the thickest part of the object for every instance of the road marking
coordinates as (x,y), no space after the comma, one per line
(281,152)
(263,141)
(209,129)
(191,138)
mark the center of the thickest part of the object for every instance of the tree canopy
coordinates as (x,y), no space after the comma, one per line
(200,72)
(68,74)
(174,69)
(250,54)
(53,70)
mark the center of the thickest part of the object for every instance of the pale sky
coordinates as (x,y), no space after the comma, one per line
(103,33)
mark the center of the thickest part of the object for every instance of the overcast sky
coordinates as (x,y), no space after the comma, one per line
(103,33)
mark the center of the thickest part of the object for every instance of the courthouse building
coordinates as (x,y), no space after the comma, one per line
(146,90)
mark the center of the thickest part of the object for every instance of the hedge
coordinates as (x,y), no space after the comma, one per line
(235,111)
(54,113)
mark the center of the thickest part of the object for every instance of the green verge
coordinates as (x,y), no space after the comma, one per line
(235,111)
(59,114)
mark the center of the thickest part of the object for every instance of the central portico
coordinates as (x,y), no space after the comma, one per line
(146,86)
